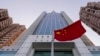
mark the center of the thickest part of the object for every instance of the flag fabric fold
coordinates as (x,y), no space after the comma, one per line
(70,32)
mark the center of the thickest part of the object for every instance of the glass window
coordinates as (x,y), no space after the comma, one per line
(7,53)
(56,53)
(51,22)
(95,53)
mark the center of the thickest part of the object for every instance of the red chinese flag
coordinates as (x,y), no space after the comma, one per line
(70,32)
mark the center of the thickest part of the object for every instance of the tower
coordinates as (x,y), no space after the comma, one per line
(9,32)
(90,15)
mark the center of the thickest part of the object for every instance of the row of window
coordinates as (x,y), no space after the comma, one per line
(94,25)
(91,11)
(4,31)
(11,35)
(3,14)
(6,37)
(95,5)
(56,53)
(5,23)
(91,4)
(7,29)
(90,17)
(94,20)
(7,53)
(94,49)
(95,53)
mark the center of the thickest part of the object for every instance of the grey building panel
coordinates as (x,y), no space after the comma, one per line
(37,45)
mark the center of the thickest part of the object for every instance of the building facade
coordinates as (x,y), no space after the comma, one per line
(90,15)
(9,32)
(37,39)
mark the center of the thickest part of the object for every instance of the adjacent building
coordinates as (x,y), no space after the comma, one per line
(9,32)
(90,15)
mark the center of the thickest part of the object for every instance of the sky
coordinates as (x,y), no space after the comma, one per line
(27,11)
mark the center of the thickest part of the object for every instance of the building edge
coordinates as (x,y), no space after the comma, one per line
(30,30)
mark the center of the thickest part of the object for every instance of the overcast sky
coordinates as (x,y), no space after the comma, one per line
(26,11)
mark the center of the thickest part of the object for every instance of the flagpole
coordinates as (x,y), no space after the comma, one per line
(52,45)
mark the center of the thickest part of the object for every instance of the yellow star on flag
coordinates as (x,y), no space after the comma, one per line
(57,32)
